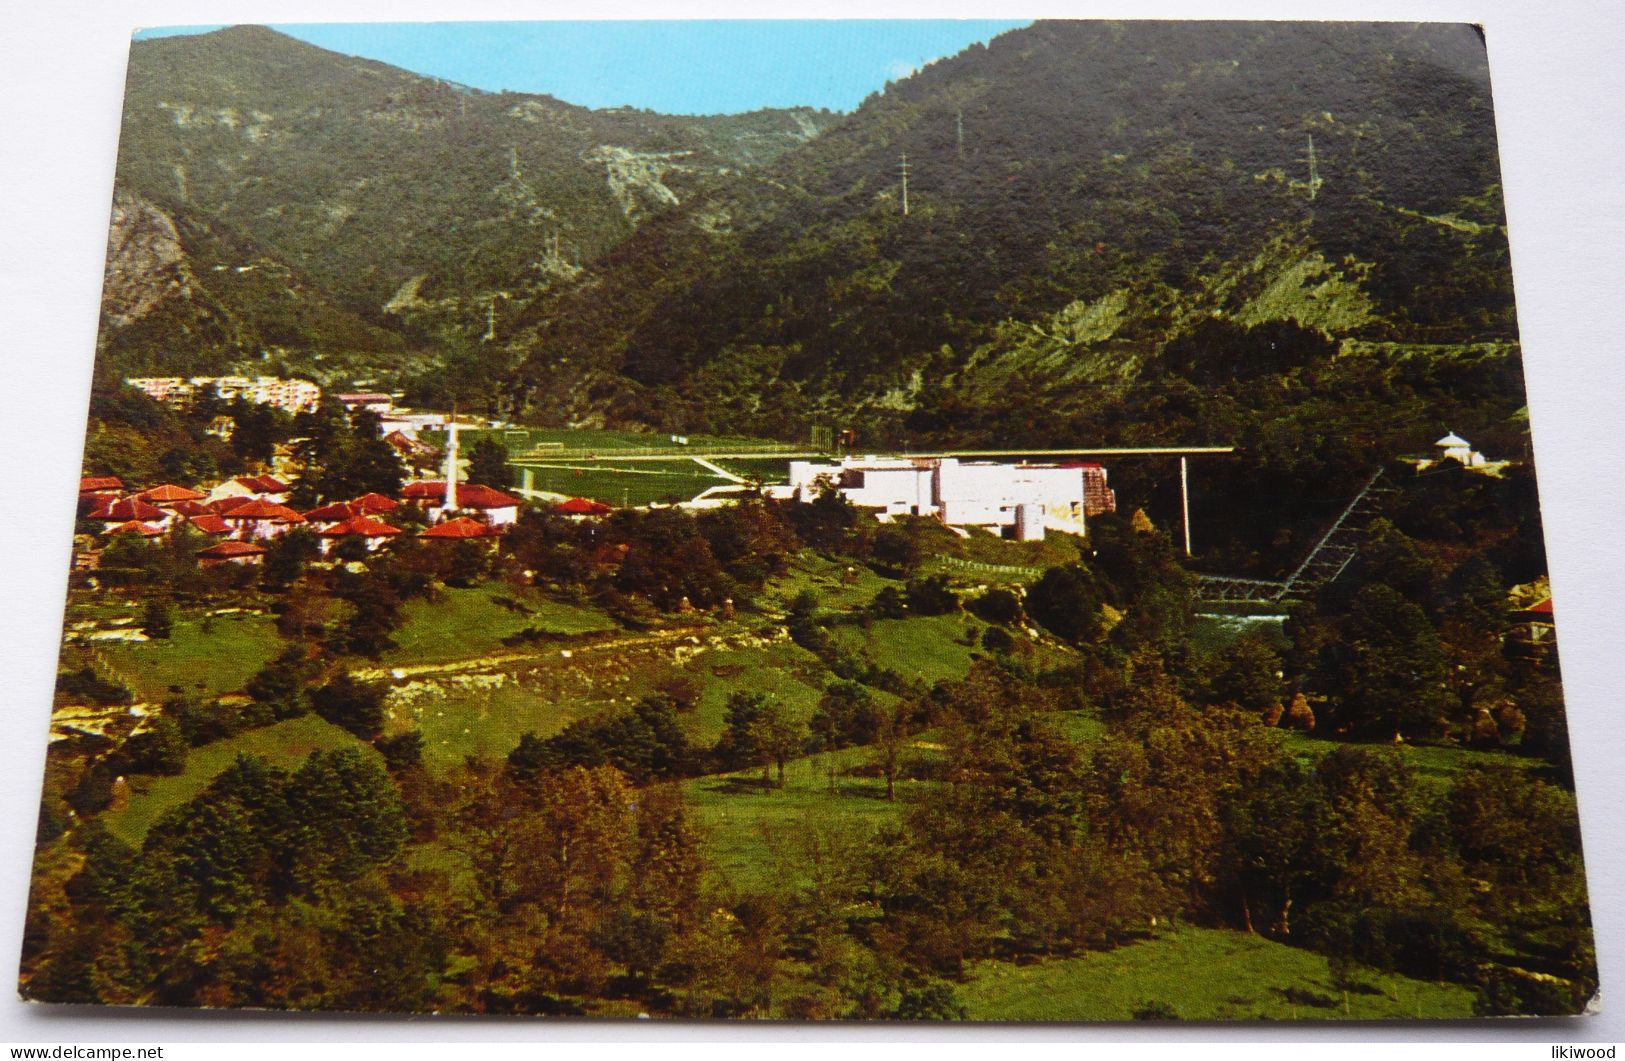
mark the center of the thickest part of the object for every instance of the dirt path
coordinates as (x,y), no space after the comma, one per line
(562,649)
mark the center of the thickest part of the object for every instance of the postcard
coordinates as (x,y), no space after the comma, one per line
(848,520)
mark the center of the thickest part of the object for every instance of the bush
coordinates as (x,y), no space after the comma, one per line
(934,1000)
(1065,602)
(156,619)
(355,706)
(889,603)
(1155,1009)
(281,684)
(931,596)
(997,606)
(1428,943)
(160,749)
(85,683)
(205,723)
(997,639)
(402,751)
(93,791)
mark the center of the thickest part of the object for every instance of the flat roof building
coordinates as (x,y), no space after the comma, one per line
(1022,499)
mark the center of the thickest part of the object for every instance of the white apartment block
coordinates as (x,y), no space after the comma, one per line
(294,395)
(1023,499)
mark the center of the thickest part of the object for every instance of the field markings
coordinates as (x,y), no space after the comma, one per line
(717,470)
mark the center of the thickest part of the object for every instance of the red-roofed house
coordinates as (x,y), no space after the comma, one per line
(127,509)
(1532,637)
(262,519)
(498,508)
(263,487)
(190,508)
(208,523)
(168,494)
(374,504)
(374,532)
(226,505)
(100,484)
(460,529)
(231,552)
(1537,619)
(419,456)
(95,490)
(145,530)
(581,506)
(339,510)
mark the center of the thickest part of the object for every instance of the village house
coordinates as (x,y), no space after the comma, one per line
(371,532)
(260,519)
(494,506)
(416,455)
(442,499)
(371,401)
(231,551)
(125,510)
(255,487)
(583,508)
(100,486)
(144,530)
(168,497)
(460,529)
(374,505)
(1022,500)
(210,524)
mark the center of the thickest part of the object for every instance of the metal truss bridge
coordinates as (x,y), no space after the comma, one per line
(1329,558)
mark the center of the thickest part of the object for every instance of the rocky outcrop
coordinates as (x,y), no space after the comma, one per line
(145,262)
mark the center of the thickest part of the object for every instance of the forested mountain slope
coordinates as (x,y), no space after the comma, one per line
(1080,195)
(409,201)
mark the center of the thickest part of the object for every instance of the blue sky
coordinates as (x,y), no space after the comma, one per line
(694,67)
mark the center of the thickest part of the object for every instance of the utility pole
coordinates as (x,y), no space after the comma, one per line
(1185,501)
(1314,173)
(490,319)
(904,170)
(959,133)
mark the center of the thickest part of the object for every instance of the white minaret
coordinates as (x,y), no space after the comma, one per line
(451,466)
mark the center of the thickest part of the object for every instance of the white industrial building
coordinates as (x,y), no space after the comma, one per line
(1023,500)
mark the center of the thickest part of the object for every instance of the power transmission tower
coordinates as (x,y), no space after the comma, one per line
(904,170)
(959,133)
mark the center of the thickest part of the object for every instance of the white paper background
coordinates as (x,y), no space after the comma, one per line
(1558,70)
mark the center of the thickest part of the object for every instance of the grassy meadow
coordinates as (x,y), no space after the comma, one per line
(203,656)
(285,744)
(1202,974)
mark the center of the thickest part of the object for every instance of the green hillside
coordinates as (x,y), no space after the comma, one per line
(409,201)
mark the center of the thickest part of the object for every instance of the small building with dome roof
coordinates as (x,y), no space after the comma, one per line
(1453,447)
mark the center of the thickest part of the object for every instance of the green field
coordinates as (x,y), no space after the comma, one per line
(839,587)
(1204,974)
(285,744)
(760,469)
(1434,764)
(469,623)
(628,484)
(788,674)
(486,722)
(747,826)
(193,660)
(521,439)
(928,648)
